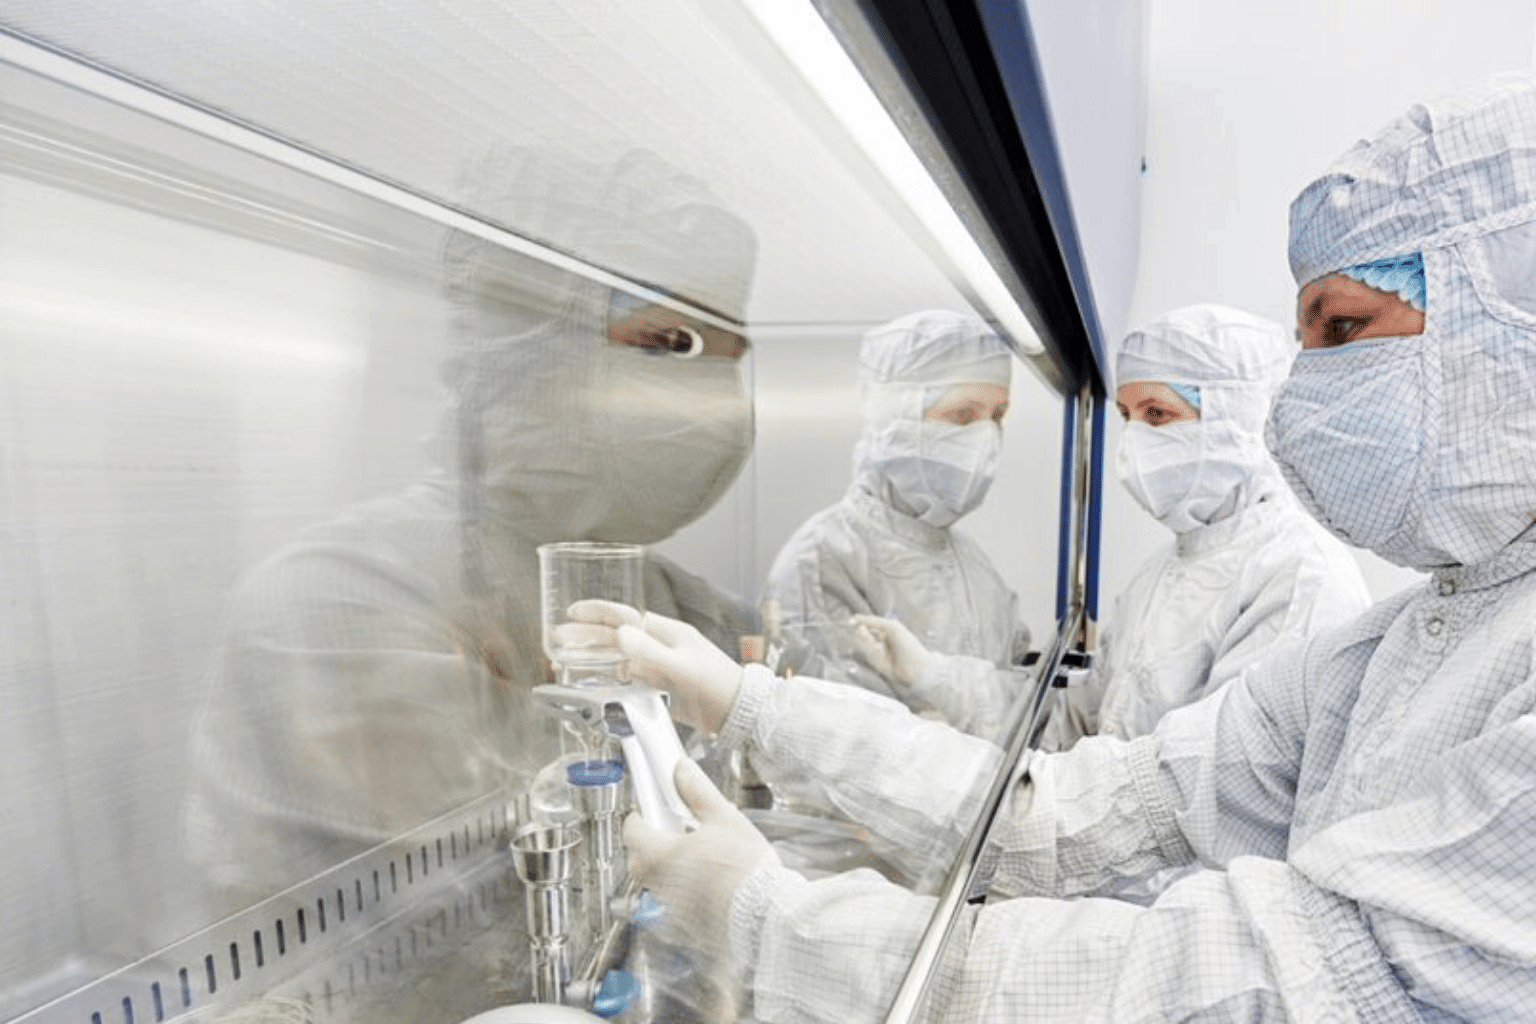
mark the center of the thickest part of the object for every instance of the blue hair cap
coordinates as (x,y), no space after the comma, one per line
(1402,276)
(1188,392)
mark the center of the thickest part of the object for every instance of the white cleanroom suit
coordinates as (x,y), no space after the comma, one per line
(890,546)
(1247,571)
(1361,804)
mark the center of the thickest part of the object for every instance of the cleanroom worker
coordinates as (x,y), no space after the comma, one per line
(376,671)
(933,389)
(1362,804)
(1246,571)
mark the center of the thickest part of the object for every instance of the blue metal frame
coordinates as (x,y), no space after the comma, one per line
(975,70)
(1013,48)
(1064,514)
(1095,509)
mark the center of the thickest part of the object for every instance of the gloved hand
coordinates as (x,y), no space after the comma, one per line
(595,623)
(891,649)
(701,678)
(694,875)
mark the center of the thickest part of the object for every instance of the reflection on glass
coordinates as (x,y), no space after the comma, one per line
(210,388)
(933,390)
(376,671)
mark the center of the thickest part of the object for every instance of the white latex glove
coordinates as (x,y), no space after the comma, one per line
(891,649)
(701,679)
(595,623)
(695,874)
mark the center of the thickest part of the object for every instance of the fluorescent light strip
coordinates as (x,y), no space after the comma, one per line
(67,69)
(810,45)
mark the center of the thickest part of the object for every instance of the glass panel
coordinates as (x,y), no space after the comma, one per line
(422,93)
(277,458)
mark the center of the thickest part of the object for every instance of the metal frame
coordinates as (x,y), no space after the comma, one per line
(324,941)
(933,63)
(967,876)
(1082,447)
(962,59)
(40,58)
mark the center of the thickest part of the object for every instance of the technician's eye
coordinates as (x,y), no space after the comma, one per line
(1340,330)
(678,341)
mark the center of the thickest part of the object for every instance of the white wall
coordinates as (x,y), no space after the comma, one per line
(1093,62)
(1247,102)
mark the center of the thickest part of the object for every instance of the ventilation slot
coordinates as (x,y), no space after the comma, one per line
(460,882)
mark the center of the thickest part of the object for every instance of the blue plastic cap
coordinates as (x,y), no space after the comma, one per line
(595,773)
(648,910)
(1189,392)
(1402,276)
(619,991)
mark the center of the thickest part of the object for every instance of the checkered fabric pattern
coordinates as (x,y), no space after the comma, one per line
(1208,605)
(1362,806)
(1449,170)
(1423,449)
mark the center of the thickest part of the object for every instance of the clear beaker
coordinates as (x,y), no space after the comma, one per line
(577,571)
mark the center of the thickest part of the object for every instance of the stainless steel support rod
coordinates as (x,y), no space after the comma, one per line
(964,873)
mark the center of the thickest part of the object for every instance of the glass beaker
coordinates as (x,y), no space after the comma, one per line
(577,571)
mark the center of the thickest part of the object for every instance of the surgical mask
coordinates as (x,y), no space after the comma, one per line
(635,447)
(1420,448)
(1185,475)
(939,471)
(1355,434)
(679,432)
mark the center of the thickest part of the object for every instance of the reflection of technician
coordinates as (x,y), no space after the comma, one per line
(376,671)
(933,388)
(1247,569)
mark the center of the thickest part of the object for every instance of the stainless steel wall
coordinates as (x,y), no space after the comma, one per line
(176,402)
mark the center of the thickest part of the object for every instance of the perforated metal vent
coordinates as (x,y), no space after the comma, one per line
(324,943)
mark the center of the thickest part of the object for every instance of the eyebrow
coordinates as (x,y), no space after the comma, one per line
(1314,309)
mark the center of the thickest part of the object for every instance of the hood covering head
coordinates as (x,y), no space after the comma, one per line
(1236,361)
(1193,474)
(931,471)
(934,347)
(558,432)
(1423,448)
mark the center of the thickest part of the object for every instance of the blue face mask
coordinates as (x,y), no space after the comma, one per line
(1354,433)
